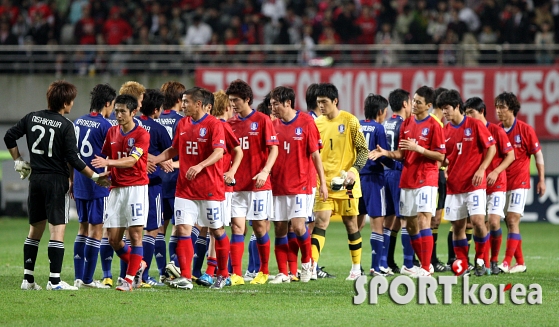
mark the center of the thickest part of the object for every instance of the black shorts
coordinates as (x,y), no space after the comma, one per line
(48,199)
(362,207)
(442,190)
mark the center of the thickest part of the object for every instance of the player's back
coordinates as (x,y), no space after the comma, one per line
(168,119)
(503,146)
(159,141)
(374,135)
(392,129)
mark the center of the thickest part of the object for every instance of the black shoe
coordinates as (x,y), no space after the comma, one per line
(320,273)
(416,263)
(495,268)
(395,268)
(439,266)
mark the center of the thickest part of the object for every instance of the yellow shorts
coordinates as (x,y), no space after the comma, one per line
(342,207)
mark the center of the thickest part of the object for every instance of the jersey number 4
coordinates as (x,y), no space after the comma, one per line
(41,129)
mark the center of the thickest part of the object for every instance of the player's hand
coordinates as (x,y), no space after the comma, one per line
(229,177)
(350,178)
(478,177)
(541,188)
(99,162)
(492,178)
(151,167)
(193,171)
(22,167)
(260,179)
(167,166)
(410,145)
(323,191)
(377,153)
(104,180)
(71,190)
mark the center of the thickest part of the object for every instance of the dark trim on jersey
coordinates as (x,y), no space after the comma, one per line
(292,120)
(248,116)
(313,114)
(136,125)
(194,122)
(511,127)
(461,123)
(421,121)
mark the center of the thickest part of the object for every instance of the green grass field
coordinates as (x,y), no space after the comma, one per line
(326,302)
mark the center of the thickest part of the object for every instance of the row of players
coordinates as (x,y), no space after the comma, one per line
(348,150)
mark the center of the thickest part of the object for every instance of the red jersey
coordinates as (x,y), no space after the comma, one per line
(119,145)
(466,144)
(255,133)
(503,147)
(196,141)
(298,139)
(419,170)
(312,171)
(230,143)
(525,143)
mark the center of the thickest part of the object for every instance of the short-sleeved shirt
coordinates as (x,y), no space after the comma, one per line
(375,135)
(503,147)
(159,141)
(168,119)
(231,142)
(392,128)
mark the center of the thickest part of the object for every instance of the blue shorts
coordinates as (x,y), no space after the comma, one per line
(392,191)
(169,209)
(91,211)
(372,187)
(155,215)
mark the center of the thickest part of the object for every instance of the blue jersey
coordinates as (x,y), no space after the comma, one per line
(159,141)
(374,135)
(392,128)
(168,119)
(91,130)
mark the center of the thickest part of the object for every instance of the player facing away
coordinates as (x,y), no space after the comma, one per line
(373,201)
(344,149)
(91,130)
(525,144)
(496,180)
(252,197)
(469,151)
(200,144)
(126,148)
(51,143)
(421,146)
(300,142)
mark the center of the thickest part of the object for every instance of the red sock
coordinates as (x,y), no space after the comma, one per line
(480,249)
(212,266)
(416,244)
(426,251)
(461,249)
(518,254)
(292,253)
(237,248)
(486,254)
(512,244)
(125,256)
(305,246)
(185,253)
(264,252)
(222,248)
(133,264)
(495,247)
(282,253)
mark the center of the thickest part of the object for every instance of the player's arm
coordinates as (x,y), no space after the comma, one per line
(216,155)
(411,145)
(541,173)
(480,173)
(262,176)
(317,161)
(361,151)
(380,152)
(237,155)
(170,153)
(492,177)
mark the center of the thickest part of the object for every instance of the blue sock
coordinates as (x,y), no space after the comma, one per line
(407,248)
(376,246)
(200,249)
(194,235)
(91,253)
(124,265)
(107,253)
(173,250)
(79,245)
(160,253)
(148,243)
(385,245)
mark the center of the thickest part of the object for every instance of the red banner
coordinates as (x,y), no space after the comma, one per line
(537,88)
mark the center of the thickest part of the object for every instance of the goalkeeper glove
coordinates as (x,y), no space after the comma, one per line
(22,167)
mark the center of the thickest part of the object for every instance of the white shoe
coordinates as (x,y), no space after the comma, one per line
(27,286)
(306,272)
(504,267)
(78,283)
(314,275)
(374,273)
(386,271)
(353,274)
(93,284)
(62,286)
(409,271)
(120,281)
(280,279)
(249,276)
(431,269)
(517,269)
(421,273)
(173,270)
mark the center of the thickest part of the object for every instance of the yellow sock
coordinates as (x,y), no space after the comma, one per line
(317,242)
(355,241)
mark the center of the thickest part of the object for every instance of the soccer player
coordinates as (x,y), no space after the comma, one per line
(421,146)
(200,144)
(525,143)
(126,148)
(91,130)
(469,151)
(51,143)
(345,149)
(252,197)
(496,180)
(159,141)
(300,143)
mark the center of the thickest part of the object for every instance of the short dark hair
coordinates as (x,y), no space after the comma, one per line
(397,98)
(195,94)
(327,90)
(59,94)
(310,96)
(264,106)
(242,89)
(208,97)
(477,104)
(510,100)
(450,98)
(438,92)
(282,94)
(374,105)
(172,91)
(427,93)
(100,95)
(129,101)
(153,99)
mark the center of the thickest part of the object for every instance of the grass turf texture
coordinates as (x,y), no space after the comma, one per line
(323,302)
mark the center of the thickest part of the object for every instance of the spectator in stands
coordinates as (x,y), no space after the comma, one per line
(367,25)
(545,37)
(6,35)
(40,29)
(344,24)
(199,33)
(86,29)
(386,57)
(76,10)
(515,31)
(403,22)
(116,30)
(10,11)
(21,28)
(275,9)
(467,15)
(307,51)
(488,36)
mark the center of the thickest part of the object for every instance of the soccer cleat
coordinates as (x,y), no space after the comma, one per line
(280,279)
(517,269)
(386,271)
(294,278)
(152,282)
(314,273)
(119,281)
(249,276)
(205,280)
(431,269)
(78,283)
(172,270)
(228,281)
(144,285)
(395,268)
(439,266)
(125,286)
(320,273)
(495,268)
(353,274)
(374,273)
(27,286)
(182,283)
(237,280)
(108,282)
(409,271)
(219,283)
(306,272)
(137,283)
(260,279)
(504,267)
(93,284)
(421,273)
(479,269)
(62,286)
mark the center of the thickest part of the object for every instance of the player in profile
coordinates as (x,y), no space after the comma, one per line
(421,146)
(91,130)
(496,181)
(252,197)
(51,142)
(525,144)
(200,144)
(343,156)
(299,147)
(470,149)
(126,148)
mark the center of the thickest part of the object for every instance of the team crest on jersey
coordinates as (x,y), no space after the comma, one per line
(517,138)
(298,131)
(341,128)
(131,142)
(253,126)
(468,132)
(203,132)
(425,131)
